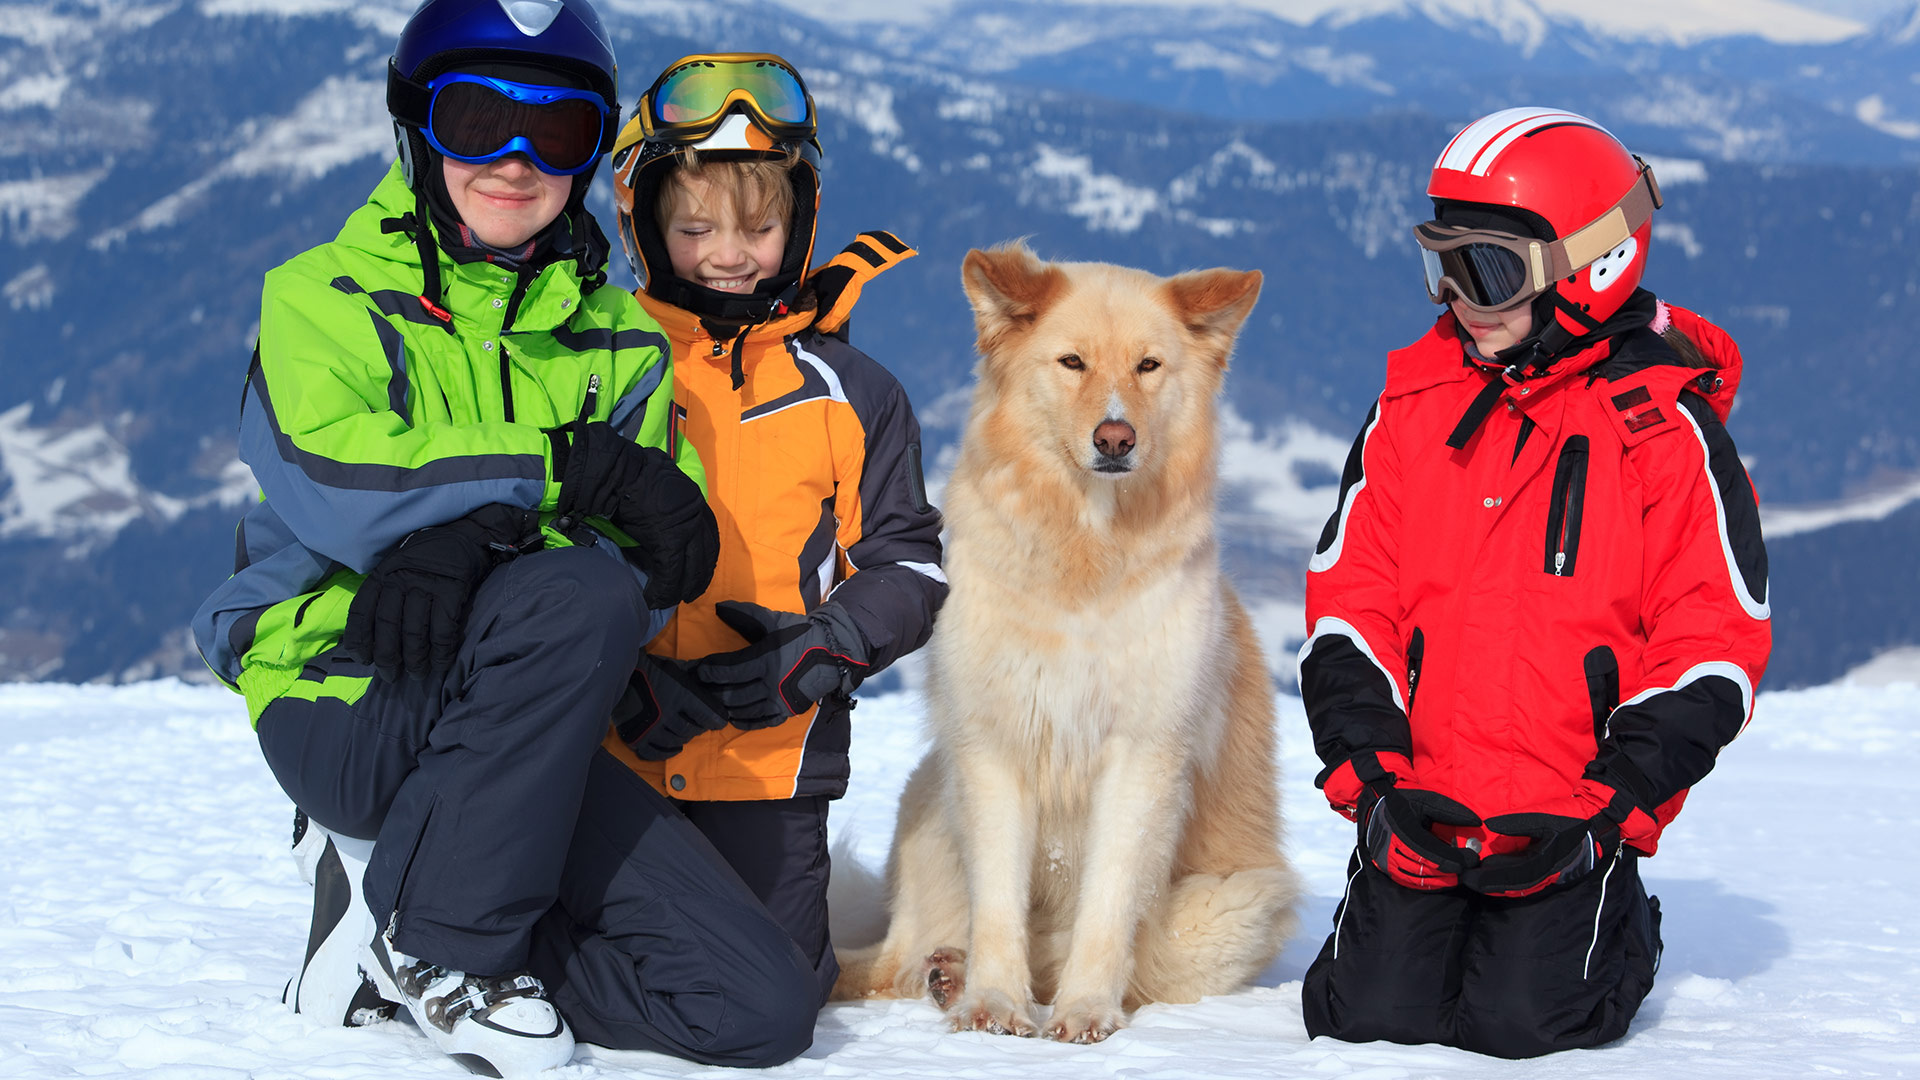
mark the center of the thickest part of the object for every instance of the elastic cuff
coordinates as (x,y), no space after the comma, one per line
(1344,782)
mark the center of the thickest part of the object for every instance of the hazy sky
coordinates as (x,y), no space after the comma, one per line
(1866,11)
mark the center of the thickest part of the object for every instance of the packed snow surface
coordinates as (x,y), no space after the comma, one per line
(150,914)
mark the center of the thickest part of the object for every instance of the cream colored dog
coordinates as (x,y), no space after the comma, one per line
(1097,823)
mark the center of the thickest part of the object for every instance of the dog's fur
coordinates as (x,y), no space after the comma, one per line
(1097,823)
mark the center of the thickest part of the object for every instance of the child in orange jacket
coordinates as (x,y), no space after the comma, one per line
(829,567)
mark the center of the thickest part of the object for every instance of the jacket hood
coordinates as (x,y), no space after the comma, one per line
(1719,349)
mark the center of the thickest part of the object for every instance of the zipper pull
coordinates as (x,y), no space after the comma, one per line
(593,397)
(1559,564)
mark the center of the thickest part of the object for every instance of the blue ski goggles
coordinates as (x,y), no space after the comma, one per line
(478,118)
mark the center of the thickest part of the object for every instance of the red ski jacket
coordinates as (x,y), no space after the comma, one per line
(1575,596)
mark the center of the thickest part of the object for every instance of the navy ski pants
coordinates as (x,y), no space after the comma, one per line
(1514,978)
(507,839)
(779,848)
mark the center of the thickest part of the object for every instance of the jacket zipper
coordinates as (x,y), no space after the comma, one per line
(522,279)
(1603,689)
(1568,506)
(506,381)
(1416,652)
(592,398)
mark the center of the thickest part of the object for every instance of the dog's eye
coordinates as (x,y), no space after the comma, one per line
(1073,363)
(1149,364)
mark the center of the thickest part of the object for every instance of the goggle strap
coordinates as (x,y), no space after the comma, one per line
(1600,236)
(1611,229)
(407,100)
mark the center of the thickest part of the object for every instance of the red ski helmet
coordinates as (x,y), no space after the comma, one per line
(1553,176)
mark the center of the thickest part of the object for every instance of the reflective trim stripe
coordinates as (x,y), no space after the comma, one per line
(1329,626)
(1587,968)
(1346,899)
(926,570)
(1755,607)
(835,391)
(1731,672)
(818,382)
(1323,561)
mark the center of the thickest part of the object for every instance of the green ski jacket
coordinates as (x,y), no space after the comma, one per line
(367,416)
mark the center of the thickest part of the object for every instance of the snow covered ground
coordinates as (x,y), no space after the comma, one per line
(149,916)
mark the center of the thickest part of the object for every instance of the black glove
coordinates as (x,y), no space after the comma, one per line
(645,495)
(410,613)
(675,538)
(594,464)
(790,662)
(1563,850)
(1396,823)
(1564,847)
(663,708)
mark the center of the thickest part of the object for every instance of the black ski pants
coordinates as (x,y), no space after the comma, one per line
(1514,978)
(507,839)
(779,848)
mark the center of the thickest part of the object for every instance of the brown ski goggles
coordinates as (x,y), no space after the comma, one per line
(1495,271)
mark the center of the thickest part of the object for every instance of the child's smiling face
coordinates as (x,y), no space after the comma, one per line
(506,201)
(709,245)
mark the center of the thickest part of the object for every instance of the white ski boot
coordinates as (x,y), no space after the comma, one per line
(495,1025)
(334,985)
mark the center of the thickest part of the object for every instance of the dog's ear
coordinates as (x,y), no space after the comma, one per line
(1009,288)
(1213,304)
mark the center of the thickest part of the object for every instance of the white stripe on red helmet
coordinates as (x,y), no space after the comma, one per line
(1476,149)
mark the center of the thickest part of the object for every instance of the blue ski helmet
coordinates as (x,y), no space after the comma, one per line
(558,37)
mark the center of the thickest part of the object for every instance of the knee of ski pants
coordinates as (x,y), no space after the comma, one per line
(772,1025)
(1391,968)
(1560,971)
(565,594)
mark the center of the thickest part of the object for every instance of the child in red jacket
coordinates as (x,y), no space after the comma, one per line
(1537,614)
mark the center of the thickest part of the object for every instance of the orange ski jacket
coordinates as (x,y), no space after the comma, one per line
(813,472)
(1577,592)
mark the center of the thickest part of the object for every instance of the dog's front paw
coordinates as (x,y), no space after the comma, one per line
(1085,1021)
(993,1012)
(946,975)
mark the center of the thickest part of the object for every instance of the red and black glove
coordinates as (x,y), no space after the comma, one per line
(1396,824)
(790,661)
(664,707)
(1562,847)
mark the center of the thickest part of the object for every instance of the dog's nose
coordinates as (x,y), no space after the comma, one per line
(1114,438)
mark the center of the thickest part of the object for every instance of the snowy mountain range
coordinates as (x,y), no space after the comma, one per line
(156,158)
